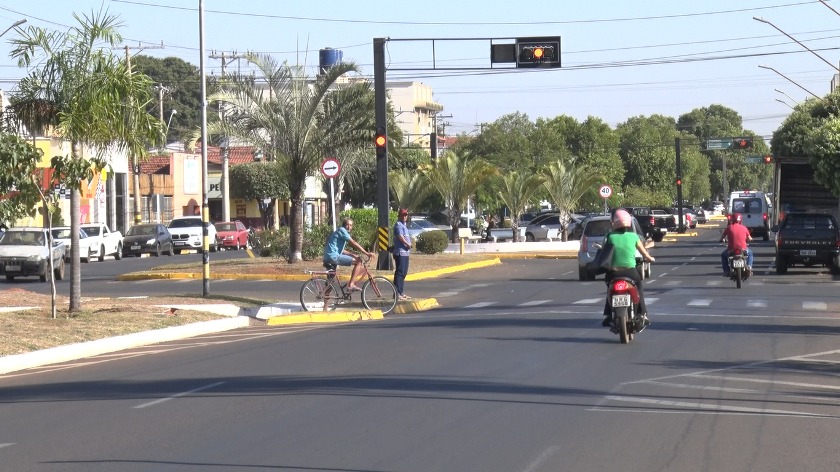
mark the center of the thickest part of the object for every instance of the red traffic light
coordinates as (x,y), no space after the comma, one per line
(679,181)
(768,159)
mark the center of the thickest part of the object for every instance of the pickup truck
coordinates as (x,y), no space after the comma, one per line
(64,233)
(655,223)
(104,241)
(807,239)
(26,251)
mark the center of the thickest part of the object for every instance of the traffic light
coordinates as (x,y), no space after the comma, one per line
(768,159)
(381,142)
(433,145)
(538,52)
(742,143)
(679,181)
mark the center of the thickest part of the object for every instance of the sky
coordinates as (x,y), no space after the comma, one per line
(620,58)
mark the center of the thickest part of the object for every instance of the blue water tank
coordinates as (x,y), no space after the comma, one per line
(328,57)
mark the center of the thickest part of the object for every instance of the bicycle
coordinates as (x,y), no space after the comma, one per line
(324,292)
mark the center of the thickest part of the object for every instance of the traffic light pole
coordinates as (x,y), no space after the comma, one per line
(681,227)
(383,204)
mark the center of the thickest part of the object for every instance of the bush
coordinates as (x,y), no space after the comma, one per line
(314,241)
(432,242)
(365,223)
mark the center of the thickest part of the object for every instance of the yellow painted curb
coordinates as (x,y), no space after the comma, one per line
(449,270)
(325,317)
(415,306)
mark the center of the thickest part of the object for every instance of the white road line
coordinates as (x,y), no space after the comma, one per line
(6,445)
(651,300)
(763,381)
(818,306)
(700,302)
(757,303)
(588,301)
(480,305)
(447,294)
(672,283)
(536,302)
(712,407)
(713,283)
(177,395)
(701,387)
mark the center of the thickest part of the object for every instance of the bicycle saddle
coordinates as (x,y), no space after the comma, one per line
(330,266)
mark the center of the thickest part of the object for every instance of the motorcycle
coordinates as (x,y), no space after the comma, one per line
(738,267)
(623,297)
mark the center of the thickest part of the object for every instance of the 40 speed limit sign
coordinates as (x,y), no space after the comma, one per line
(605,191)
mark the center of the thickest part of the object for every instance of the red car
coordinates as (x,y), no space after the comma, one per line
(231,235)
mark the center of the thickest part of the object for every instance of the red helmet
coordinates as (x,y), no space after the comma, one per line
(736,218)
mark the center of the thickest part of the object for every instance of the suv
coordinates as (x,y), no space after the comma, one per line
(594,230)
(187,233)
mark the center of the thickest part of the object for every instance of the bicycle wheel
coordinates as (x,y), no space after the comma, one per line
(319,294)
(379,294)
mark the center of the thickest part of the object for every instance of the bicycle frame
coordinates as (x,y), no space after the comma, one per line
(377,292)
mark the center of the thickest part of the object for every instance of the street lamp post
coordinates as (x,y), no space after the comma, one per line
(14,25)
(788,96)
(786,103)
(756,18)
(791,81)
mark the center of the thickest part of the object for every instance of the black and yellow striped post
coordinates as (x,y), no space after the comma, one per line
(382,241)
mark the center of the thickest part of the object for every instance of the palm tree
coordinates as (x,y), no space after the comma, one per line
(82,92)
(456,179)
(566,184)
(297,121)
(409,188)
(516,193)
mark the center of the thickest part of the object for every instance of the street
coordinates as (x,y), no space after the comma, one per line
(512,373)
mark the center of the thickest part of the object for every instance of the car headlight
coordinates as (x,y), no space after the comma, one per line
(151,241)
(33,258)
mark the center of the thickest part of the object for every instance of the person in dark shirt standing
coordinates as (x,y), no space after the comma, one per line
(402,246)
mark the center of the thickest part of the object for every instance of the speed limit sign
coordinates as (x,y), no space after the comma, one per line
(605,191)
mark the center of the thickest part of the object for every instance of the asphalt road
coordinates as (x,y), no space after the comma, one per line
(512,373)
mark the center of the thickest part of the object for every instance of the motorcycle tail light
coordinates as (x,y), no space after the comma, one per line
(620,286)
(737,252)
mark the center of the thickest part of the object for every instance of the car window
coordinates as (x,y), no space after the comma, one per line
(185,223)
(597,228)
(225,227)
(141,230)
(92,231)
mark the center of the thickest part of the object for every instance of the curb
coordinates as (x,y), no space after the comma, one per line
(71,352)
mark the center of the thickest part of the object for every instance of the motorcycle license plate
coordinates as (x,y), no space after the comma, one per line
(620,300)
(738,263)
(807,252)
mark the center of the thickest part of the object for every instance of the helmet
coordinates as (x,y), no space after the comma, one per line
(621,219)
(736,218)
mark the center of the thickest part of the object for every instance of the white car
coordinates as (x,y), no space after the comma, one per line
(187,233)
(105,242)
(27,252)
(86,243)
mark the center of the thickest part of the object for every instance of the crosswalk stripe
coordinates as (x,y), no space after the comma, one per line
(536,302)
(757,303)
(816,306)
(700,302)
(480,305)
(588,301)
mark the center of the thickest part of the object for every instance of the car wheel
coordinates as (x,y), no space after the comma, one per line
(238,246)
(118,254)
(529,237)
(157,250)
(177,251)
(583,274)
(102,253)
(59,271)
(89,256)
(781,266)
(10,277)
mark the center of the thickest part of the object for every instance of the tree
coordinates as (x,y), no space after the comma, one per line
(409,188)
(516,192)
(566,185)
(259,181)
(182,83)
(456,179)
(296,121)
(82,92)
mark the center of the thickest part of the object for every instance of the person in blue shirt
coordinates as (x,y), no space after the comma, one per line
(335,252)
(402,246)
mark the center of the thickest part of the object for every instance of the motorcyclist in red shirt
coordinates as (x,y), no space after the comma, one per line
(737,236)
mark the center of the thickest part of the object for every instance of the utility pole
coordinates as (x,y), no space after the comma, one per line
(225,148)
(135,164)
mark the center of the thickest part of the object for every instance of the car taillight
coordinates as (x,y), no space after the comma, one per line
(652,221)
(764,216)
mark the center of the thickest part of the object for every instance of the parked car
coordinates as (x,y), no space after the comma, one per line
(689,218)
(701,215)
(188,233)
(415,227)
(594,230)
(148,238)
(231,235)
(86,243)
(537,229)
(27,251)
(105,242)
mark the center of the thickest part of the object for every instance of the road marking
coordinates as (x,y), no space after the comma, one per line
(178,395)
(757,303)
(701,387)
(672,283)
(713,283)
(762,381)
(480,305)
(700,302)
(6,445)
(651,300)
(588,301)
(535,302)
(818,306)
(447,294)
(711,407)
